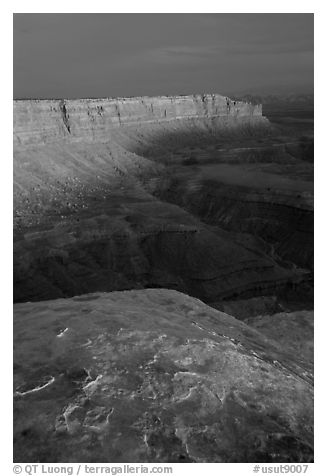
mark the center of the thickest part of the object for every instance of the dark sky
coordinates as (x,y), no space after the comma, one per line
(102,55)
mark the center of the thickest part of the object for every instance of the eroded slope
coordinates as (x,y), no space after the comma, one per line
(91,180)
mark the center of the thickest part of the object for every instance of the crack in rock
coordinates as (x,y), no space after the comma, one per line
(36,389)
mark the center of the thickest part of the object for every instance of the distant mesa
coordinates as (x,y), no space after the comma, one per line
(43,121)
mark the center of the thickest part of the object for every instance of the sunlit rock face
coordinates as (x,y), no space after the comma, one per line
(154,376)
(45,121)
(90,183)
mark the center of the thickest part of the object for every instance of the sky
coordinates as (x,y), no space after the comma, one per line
(109,55)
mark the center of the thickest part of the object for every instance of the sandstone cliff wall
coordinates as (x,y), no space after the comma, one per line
(44,121)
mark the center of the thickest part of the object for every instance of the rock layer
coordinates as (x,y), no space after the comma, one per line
(139,245)
(45,121)
(86,213)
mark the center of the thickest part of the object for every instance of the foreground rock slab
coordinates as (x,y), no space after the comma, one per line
(294,330)
(154,376)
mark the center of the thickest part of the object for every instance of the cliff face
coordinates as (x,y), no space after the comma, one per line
(45,121)
(90,204)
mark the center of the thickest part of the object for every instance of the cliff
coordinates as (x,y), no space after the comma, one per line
(45,121)
(87,178)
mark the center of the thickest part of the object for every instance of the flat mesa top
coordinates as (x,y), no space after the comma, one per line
(129,98)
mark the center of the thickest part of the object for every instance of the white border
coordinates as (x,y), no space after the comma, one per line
(317,7)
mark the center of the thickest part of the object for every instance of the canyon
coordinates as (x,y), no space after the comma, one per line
(160,247)
(103,199)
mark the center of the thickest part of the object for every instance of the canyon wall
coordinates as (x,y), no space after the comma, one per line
(91,180)
(46,121)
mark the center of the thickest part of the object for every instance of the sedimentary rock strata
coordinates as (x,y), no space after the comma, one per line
(88,179)
(45,121)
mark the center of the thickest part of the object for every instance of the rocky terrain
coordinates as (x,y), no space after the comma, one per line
(155,376)
(107,197)
(199,196)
